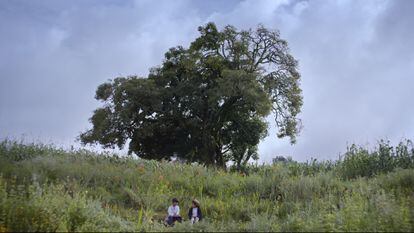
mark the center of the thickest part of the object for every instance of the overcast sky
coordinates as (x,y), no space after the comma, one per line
(356,59)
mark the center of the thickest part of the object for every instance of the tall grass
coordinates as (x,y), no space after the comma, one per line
(47,189)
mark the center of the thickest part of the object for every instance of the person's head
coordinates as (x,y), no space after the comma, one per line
(175,201)
(195,203)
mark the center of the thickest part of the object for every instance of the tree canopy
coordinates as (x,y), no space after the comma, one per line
(206,103)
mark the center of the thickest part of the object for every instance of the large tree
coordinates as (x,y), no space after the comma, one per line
(206,103)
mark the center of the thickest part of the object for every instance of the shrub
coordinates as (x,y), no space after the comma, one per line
(359,162)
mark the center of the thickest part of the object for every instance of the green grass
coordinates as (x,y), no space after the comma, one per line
(47,189)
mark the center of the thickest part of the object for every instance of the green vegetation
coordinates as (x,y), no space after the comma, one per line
(47,189)
(206,103)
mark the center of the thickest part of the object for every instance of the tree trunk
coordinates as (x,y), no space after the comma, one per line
(220,157)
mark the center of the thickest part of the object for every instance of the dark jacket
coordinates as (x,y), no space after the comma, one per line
(199,215)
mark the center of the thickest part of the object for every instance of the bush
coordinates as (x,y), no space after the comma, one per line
(359,162)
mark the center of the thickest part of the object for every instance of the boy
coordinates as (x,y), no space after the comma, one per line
(173,213)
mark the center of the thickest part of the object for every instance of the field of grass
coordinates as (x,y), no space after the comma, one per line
(43,188)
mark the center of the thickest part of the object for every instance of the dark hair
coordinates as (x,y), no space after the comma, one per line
(175,200)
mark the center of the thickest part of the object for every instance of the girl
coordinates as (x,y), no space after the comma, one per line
(194,214)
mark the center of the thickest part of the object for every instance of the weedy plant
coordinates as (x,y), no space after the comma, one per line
(47,189)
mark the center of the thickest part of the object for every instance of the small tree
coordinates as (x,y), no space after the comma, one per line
(206,103)
(279,159)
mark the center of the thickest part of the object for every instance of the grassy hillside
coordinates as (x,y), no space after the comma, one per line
(47,189)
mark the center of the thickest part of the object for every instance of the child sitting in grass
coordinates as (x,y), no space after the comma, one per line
(173,213)
(194,214)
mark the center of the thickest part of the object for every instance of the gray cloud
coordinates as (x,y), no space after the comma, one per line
(357,74)
(356,60)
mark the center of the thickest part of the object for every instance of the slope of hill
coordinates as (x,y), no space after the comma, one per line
(47,189)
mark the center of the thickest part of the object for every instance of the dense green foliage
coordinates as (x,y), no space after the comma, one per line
(48,189)
(206,103)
